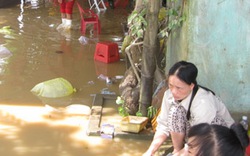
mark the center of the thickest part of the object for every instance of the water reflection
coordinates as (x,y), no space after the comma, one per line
(20,17)
(41,53)
(4,56)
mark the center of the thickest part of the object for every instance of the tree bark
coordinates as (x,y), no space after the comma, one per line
(138,4)
(150,47)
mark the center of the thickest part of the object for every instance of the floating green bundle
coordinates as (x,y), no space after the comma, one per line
(6,30)
(54,88)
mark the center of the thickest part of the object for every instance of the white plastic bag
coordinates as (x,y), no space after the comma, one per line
(4,52)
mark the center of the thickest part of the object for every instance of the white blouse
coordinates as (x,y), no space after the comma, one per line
(205,107)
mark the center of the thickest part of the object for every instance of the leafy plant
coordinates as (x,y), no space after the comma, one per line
(122,108)
(151,112)
(137,23)
(174,20)
(123,111)
(138,113)
(170,18)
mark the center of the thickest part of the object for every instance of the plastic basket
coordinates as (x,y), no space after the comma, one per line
(133,124)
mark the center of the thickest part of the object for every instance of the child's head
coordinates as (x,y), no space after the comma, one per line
(210,140)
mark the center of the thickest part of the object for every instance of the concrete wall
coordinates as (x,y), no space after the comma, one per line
(216,37)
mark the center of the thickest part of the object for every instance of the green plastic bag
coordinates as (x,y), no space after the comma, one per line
(6,30)
(54,88)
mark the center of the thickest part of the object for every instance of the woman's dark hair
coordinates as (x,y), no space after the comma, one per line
(185,71)
(219,140)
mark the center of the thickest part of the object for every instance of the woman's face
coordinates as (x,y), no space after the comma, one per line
(179,89)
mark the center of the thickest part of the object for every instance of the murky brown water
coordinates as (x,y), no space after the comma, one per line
(40,53)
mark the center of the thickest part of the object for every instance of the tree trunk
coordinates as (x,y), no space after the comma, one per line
(138,4)
(150,47)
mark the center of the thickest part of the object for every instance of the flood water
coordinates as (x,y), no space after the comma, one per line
(41,53)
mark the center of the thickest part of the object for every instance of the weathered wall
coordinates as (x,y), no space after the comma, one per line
(216,37)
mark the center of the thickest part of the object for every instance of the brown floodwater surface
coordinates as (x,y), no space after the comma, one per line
(40,53)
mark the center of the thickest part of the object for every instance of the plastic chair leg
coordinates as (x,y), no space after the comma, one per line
(99,28)
(83,28)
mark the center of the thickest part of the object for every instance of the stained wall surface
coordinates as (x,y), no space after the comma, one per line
(216,37)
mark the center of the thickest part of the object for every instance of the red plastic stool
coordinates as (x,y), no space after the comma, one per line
(106,52)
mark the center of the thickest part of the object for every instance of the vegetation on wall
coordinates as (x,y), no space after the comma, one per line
(145,46)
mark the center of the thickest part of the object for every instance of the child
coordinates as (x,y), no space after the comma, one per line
(66,9)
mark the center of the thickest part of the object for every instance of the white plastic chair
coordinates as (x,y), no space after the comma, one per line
(97,4)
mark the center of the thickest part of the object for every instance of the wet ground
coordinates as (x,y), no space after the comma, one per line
(40,53)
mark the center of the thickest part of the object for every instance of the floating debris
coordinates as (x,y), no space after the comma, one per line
(7,30)
(107,92)
(51,25)
(4,52)
(59,51)
(9,37)
(107,131)
(102,77)
(119,77)
(108,81)
(57,87)
(83,40)
(91,82)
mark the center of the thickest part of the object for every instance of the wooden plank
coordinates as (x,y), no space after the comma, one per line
(95,116)
(109,97)
(94,125)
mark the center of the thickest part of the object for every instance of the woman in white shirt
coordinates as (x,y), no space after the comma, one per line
(185,104)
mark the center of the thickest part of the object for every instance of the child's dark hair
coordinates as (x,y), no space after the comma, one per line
(219,140)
